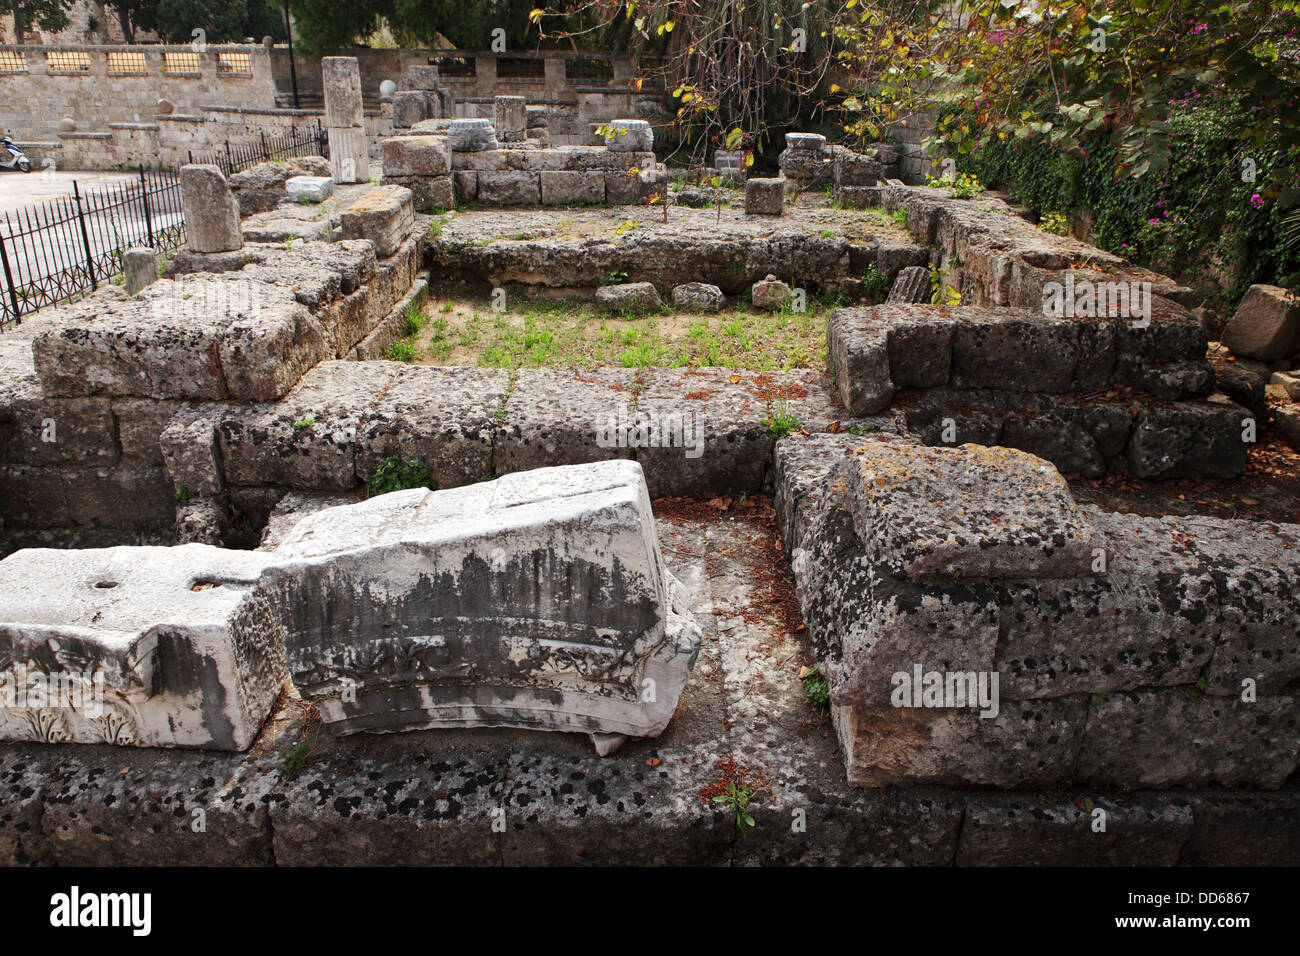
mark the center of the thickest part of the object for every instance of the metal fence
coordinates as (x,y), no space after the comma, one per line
(304,142)
(57,250)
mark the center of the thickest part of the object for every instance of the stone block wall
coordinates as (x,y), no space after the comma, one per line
(101,400)
(979,628)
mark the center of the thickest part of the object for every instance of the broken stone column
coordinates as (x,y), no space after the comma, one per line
(146,647)
(409,108)
(538,600)
(344,121)
(911,286)
(471,136)
(805,161)
(139,268)
(510,117)
(211,213)
(629,136)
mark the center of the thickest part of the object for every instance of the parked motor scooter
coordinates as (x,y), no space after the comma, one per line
(11,157)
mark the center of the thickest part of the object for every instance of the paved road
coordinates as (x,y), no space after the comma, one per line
(20,190)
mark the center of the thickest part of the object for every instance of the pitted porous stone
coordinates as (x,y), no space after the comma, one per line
(307,440)
(764,197)
(416,156)
(564,418)
(211,213)
(629,297)
(443,417)
(1026,744)
(384,215)
(940,513)
(174,339)
(510,118)
(151,647)
(538,600)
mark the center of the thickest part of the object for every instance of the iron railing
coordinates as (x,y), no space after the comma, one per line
(57,250)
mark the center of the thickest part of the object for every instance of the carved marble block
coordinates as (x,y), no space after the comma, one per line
(538,600)
(151,647)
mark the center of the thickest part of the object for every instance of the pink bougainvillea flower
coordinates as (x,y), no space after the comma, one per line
(1256,200)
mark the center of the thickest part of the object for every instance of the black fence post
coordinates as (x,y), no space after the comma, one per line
(144,198)
(266,153)
(230,163)
(9,281)
(85,238)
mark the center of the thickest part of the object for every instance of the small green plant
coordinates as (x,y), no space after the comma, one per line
(781,423)
(183,493)
(294,759)
(1054,223)
(403,351)
(304,423)
(414,319)
(816,689)
(828,233)
(392,474)
(736,799)
(614,278)
(874,282)
(963,186)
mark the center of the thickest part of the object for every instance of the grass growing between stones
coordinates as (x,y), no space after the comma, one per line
(570,334)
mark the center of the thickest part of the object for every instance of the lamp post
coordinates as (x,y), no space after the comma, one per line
(293,70)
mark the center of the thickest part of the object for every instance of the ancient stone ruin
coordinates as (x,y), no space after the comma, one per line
(216,579)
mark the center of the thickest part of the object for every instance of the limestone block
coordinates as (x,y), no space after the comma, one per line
(139,268)
(510,118)
(857,349)
(698,297)
(1014,348)
(409,108)
(211,213)
(636,184)
(996,513)
(345,120)
(1029,745)
(855,169)
(260,188)
(509,188)
(428,193)
(764,197)
(629,297)
(192,453)
(1189,438)
(422,77)
(1266,325)
(309,188)
(771,293)
(562,418)
(384,215)
(566,187)
(153,647)
(416,156)
(857,197)
(442,417)
(538,600)
(1172,736)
